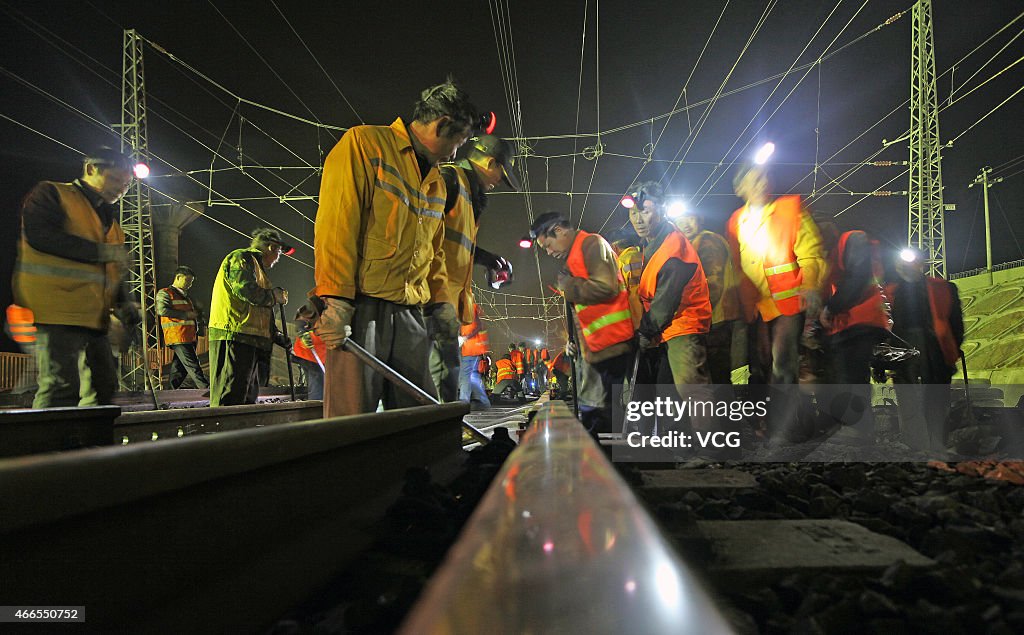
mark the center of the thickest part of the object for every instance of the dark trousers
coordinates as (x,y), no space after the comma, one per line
(847,397)
(720,352)
(444,368)
(314,378)
(774,352)
(186,363)
(76,367)
(394,333)
(923,394)
(611,371)
(233,376)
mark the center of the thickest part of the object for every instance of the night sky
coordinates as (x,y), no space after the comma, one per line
(638,56)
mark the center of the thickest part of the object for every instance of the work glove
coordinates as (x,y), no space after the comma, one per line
(128,313)
(280,295)
(306,339)
(811,300)
(114,252)
(282,340)
(335,323)
(442,322)
(499,272)
(571,349)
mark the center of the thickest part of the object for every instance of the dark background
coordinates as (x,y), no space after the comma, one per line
(638,56)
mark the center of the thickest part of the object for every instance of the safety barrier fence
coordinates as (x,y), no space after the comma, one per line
(559,544)
(15,369)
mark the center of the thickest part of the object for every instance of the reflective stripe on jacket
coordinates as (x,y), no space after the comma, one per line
(694,312)
(68,292)
(232,314)
(178,331)
(873,307)
(604,324)
(379,227)
(21,324)
(506,369)
(631,265)
(460,230)
(516,356)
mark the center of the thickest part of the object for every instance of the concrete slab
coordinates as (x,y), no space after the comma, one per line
(753,551)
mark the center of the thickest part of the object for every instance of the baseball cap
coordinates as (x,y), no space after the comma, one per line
(267,236)
(503,152)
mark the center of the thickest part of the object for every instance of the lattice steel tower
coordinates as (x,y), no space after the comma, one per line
(926,229)
(136,219)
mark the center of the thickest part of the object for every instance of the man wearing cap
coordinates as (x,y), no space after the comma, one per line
(488,162)
(380,261)
(242,318)
(179,326)
(713,252)
(71,261)
(592,282)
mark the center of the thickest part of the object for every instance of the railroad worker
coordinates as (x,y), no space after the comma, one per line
(380,261)
(179,325)
(777,253)
(516,356)
(674,293)
(926,314)
(630,260)
(506,383)
(473,352)
(591,281)
(560,369)
(488,162)
(71,261)
(855,319)
(713,252)
(242,318)
(310,352)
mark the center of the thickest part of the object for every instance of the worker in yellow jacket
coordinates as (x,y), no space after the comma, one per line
(380,261)
(71,261)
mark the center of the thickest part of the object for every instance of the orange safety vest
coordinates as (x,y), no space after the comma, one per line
(300,349)
(694,312)
(781,270)
(21,324)
(873,308)
(544,354)
(604,324)
(478,343)
(560,363)
(483,365)
(178,331)
(631,265)
(506,369)
(516,357)
(940,301)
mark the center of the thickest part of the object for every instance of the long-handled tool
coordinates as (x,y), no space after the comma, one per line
(404,384)
(570,328)
(287,353)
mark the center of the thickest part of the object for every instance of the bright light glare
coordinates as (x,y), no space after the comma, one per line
(908,255)
(676,209)
(537,342)
(667,585)
(628,202)
(525,243)
(141,170)
(764,153)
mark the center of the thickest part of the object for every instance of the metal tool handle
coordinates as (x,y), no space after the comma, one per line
(287,353)
(570,325)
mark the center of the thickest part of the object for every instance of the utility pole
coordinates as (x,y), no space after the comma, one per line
(982,180)
(136,218)
(926,226)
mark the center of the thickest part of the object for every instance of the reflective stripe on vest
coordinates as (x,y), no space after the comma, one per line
(604,324)
(873,308)
(63,291)
(21,324)
(178,331)
(777,243)
(506,370)
(460,230)
(693,315)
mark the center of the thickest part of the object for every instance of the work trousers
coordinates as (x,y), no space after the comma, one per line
(76,367)
(719,351)
(444,368)
(233,375)
(471,385)
(598,379)
(847,397)
(394,333)
(314,378)
(923,394)
(682,363)
(186,363)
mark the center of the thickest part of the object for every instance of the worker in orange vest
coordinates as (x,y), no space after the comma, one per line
(592,283)
(21,327)
(506,384)
(777,253)
(926,313)
(474,347)
(179,324)
(309,351)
